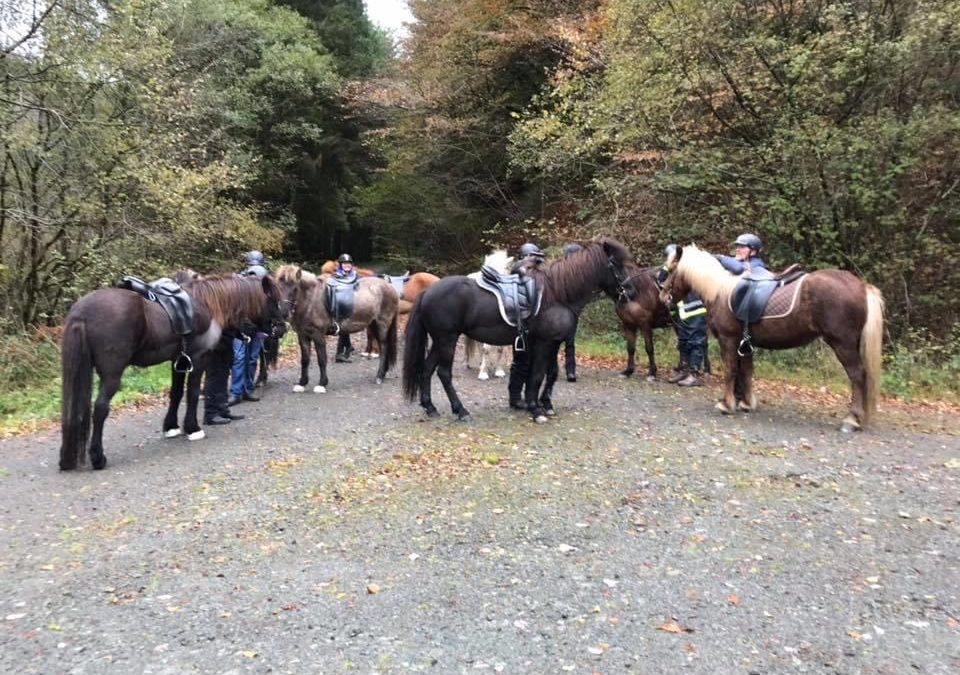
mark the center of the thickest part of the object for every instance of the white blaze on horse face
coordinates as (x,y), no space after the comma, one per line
(208,340)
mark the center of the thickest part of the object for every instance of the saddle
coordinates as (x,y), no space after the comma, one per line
(397,282)
(338,299)
(517,295)
(752,296)
(176,303)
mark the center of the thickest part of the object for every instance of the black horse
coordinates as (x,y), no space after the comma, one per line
(112,328)
(457,305)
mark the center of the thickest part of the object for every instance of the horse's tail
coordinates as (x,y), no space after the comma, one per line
(75,398)
(871,345)
(414,351)
(390,348)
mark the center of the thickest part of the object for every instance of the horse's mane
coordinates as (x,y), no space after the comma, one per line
(704,274)
(231,298)
(288,273)
(569,278)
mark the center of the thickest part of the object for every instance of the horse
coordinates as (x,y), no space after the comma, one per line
(112,328)
(641,308)
(375,305)
(500,261)
(412,287)
(457,305)
(833,304)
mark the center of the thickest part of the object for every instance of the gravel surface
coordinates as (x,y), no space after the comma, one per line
(638,532)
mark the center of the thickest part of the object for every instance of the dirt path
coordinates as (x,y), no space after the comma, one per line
(637,532)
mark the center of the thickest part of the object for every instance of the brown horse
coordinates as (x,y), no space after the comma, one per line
(640,308)
(413,286)
(112,328)
(375,305)
(833,304)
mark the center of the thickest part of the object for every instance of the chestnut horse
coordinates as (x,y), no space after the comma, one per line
(457,306)
(833,304)
(375,306)
(112,328)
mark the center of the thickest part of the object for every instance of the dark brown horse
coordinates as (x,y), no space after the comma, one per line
(112,328)
(375,306)
(833,304)
(456,306)
(640,308)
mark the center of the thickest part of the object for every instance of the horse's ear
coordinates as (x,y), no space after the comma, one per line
(613,250)
(299,274)
(678,253)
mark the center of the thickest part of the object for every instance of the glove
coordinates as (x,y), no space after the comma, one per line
(261,335)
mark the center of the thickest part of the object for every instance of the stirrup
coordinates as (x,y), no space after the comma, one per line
(183,364)
(336,328)
(745,348)
(519,344)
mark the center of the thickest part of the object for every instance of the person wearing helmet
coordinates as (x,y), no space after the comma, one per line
(690,324)
(746,256)
(570,342)
(529,255)
(246,348)
(345,272)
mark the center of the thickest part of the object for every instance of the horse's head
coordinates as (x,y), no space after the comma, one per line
(618,259)
(675,286)
(289,280)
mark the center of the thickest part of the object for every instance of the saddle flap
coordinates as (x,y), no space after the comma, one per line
(169,295)
(338,297)
(753,300)
(517,294)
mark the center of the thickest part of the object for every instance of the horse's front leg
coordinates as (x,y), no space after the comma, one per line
(648,346)
(745,367)
(108,387)
(171,427)
(553,372)
(630,335)
(190,424)
(538,369)
(320,345)
(728,352)
(444,365)
(305,346)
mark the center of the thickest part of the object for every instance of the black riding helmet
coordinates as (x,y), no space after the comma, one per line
(750,240)
(531,250)
(345,258)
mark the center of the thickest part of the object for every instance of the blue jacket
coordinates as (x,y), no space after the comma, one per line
(734,266)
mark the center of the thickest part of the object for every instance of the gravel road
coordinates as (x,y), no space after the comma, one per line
(638,532)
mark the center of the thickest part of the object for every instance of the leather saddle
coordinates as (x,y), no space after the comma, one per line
(397,282)
(169,295)
(517,294)
(752,293)
(338,298)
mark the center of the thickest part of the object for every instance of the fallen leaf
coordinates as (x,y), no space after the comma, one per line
(249,653)
(373,589)
(674,627)
(733,599)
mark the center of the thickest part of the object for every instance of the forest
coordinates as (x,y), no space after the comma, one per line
(144,136)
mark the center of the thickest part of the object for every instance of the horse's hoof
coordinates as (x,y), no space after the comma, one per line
(100,464)
(483,376)
(500,373)
(626,373)
(379,380)
(433,413)
(298,389)
(651,378)
(365,354)
(196,436)
(319,390)
(172,433)
(744,406)
(550,412)
(374,355)
(465,417)
(722,407)
(540,419)
(850,425)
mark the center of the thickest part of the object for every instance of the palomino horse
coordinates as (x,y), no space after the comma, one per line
(457,305)
(500,261)
(112,328)
(640,308)
(374,305)
(833,304)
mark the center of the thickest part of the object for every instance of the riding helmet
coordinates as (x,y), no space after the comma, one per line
(258,271)
(344,258)
(531,250)
(254,258)
(750,240)
(669,250)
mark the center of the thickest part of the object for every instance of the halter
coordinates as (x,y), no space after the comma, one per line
(622,295)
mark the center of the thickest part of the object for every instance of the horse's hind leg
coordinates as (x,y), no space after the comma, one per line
(190,424)
(499,369)
(429,365)
(109,385)
(320,346)
(630,335)
(444,365)
(648,346)
(745,368)
(849,357)
(484,352)
(553,372)
(728,350)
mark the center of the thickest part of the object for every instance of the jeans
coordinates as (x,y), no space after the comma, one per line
(244,372)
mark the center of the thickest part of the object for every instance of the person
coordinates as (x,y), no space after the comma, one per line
(346,273)
(746,256)
(569,343)
(690,322)
(747,248)
(216,382)
(246,348)
(530,254)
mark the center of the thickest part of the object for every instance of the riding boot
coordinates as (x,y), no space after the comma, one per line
(344,349)
(518,378)
(692,379)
